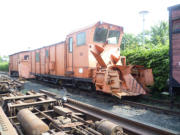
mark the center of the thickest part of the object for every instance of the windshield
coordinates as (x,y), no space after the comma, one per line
(113,37)
(101,36)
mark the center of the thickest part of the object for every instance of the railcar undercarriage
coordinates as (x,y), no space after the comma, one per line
(37,113)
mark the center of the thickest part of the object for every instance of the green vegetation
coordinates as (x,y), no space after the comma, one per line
(153,54)
(4,64)
(156,58)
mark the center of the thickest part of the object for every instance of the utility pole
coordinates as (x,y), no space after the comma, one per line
(143,13)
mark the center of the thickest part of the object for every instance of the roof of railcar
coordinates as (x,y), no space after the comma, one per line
(84,28)
(174,7)
(37,48)
(90,26)
(18,53)
(49,45)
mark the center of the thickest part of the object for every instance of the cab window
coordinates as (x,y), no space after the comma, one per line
(81,38)
(26,57)
(70,44)
(47,53)
(113,37)
(176,27)
(37,57)
(100,35)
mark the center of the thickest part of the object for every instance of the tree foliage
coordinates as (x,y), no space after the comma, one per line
(4,59)
(160,33)
(4,66)
(129,41)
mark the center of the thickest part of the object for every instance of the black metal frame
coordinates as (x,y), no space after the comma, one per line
(55,77)
(14,73)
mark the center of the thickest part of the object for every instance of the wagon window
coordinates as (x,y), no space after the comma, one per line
(113,37)
(100,35)
(176,27)
(26,57)
(70,44)
(47,53)
(37,57)
(81,38)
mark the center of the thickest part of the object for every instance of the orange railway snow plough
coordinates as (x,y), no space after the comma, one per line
(114,77)
(88,57)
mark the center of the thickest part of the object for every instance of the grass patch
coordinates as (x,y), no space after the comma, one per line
(4,66)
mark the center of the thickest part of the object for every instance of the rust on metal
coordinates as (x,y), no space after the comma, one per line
(31,123)
(47,114)
(6,127)
(121,80)
(37,113)
(8,84)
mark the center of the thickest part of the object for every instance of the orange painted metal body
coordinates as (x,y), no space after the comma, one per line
(20,64)
(24,65)
(117,78)
(57,60)
(90,55)
(13,62)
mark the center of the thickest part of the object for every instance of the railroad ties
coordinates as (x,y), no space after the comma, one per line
(46,113)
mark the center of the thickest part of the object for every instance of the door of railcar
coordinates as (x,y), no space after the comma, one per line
(70,56)
(47,57)
(52,60)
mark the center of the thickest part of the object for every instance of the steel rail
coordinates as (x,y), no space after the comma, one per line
(129,125)
(164,102)
(23,97)
(150,107)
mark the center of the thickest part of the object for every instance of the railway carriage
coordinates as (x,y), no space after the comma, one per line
(174,51)
(88,57)
(72,61)
(15,60)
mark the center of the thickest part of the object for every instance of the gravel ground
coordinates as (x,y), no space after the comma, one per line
(110,105)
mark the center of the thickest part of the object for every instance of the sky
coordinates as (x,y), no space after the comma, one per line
(30,24)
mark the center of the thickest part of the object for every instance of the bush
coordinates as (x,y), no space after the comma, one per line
(155,57)
(4,66)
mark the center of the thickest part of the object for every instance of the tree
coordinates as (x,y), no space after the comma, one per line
(159,33)
(129,41)
(5,58)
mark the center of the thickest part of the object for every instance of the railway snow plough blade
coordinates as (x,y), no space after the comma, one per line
(119,79)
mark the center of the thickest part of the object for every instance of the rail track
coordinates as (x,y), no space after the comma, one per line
(150,107)
(132,103)
(130,126)
(47,107)
(39,113)
(163,102)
